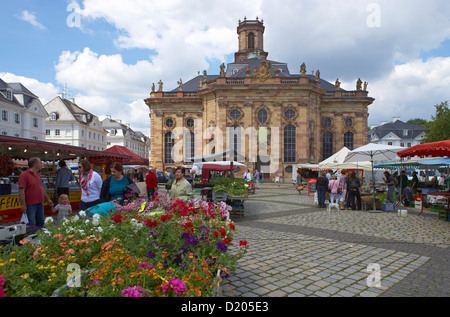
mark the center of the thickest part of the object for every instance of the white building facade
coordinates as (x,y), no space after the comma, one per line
(71,125)
(22,114)
(122,135)
(397,133)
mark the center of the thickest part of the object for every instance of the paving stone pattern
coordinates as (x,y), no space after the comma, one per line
(299,250)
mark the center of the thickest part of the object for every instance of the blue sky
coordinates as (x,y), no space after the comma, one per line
(121,47)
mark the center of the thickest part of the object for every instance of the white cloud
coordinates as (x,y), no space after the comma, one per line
(411,90)
(31,18)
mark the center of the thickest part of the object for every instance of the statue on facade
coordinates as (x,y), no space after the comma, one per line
(205,74)
(160,86)
(317,75)
(337,84)
(180,85)
(222,70)
(153,88)
(365,85)
(303,69)
(358,84)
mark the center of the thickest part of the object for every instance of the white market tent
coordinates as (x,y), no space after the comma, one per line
(336,161)
(376,153)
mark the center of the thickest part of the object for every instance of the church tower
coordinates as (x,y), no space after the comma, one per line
(251,40)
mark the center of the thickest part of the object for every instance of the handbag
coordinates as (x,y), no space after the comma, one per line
(131,189)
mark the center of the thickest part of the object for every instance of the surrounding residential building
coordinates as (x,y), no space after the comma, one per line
(22,113)
(397,133)
(70,124)
(122,134)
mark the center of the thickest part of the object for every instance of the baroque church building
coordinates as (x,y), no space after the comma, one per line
(256,112)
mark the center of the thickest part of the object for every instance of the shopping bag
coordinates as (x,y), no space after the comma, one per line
(24,218)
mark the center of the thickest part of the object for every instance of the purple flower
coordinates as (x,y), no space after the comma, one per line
(190,239)
(221,246)
(150,254)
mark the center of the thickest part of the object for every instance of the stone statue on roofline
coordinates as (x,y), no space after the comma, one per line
(303,69)
(153,88)
(358,84)
(222,70)
(317,75)
(180,85)
(365,85)
(337,84)
(160,86)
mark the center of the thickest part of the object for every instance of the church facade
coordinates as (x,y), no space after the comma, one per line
(256,112)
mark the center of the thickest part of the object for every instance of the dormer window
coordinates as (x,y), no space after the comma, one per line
(113,132)
(53,116)
(9,95)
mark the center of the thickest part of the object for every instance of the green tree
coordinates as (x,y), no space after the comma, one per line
(419,121)
(439,126)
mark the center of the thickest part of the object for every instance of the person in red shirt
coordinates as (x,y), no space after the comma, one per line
(152,183)
(32,193)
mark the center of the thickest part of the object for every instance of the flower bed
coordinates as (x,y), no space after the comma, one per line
(159,248)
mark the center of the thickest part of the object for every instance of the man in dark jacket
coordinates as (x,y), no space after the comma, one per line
(322,187)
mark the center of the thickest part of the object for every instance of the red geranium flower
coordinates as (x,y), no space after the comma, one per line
(117,218)
(216,233)
(222,231)
(232,226)
(227,240)
(242,243)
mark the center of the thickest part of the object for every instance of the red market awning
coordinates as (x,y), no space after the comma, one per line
(434,149)
(132,158)
(19,148)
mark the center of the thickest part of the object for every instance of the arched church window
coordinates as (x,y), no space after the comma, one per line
(327,145)
(235,140)
(251,41)
(190,145)
(348,140)
(169,143)
(289,144)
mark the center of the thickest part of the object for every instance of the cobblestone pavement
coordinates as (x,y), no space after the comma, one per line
(298,250)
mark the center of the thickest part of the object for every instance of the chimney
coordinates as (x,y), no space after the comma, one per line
(395,119)
(383,123)
(61,95)
(72,100)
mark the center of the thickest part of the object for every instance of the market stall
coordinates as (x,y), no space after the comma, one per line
(12,148)
(433,149)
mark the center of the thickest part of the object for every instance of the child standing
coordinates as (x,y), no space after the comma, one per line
(63,208)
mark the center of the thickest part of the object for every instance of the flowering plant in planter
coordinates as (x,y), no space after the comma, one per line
(157,248)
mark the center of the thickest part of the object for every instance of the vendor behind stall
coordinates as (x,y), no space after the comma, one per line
(181,189)
(91,184)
